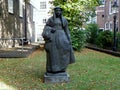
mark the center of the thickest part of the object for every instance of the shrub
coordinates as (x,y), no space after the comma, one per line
(78,39)
(105,39)
(92,31)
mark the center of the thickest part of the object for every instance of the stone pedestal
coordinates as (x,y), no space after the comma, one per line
(56,78)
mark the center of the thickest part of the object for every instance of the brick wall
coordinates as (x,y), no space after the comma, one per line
(105,16)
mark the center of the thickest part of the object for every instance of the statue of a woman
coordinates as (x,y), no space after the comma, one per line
(57,43)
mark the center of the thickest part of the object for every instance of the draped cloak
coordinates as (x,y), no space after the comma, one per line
(57,45)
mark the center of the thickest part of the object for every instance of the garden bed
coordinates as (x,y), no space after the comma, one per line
(115,53)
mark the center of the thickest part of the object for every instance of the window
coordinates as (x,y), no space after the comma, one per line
(117,2)
(42,5)
(44,20)
(102,2)
(111,26)
(10,6)
(110,7)
(106,26)
(21,8)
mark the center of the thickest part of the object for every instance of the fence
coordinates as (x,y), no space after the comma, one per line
(21,39)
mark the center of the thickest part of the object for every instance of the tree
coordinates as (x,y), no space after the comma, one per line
(26,1)
(77,13)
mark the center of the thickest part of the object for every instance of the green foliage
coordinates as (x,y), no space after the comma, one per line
(92,32)
(77,12)
(105,39)
(78,39)
(26,1)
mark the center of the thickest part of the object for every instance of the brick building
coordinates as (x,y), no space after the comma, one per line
(105,15)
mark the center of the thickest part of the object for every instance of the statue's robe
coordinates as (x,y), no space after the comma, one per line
(57,45)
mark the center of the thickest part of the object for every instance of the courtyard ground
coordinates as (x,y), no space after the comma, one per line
(92,70)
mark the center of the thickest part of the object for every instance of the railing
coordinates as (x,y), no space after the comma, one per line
(14,39)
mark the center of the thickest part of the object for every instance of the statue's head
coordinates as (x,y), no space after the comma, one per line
(58,11)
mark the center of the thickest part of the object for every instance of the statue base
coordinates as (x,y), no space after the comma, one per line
(56,78)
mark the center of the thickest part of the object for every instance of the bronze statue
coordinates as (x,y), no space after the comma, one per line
(57,43)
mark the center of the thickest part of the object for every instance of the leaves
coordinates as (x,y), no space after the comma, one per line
(78,39)
(26,1)
(104,39)
(92,32)
(77,11)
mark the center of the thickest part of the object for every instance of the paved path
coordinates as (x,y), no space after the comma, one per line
(18,52)
(4,86)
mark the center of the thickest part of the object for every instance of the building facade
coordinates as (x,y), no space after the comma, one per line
(12,22)
(41,16)
(105,15)
(30,23)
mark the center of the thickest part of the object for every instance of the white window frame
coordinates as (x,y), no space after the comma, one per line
(44,20)
(117,2)
(43,5)
(110,7)
(103,2)
(21,8)
(10,6)
(110,27)
(107,26)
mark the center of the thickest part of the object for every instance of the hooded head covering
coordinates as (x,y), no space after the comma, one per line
(58,7)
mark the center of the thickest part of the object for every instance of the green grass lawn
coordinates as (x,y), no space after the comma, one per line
(92,71)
